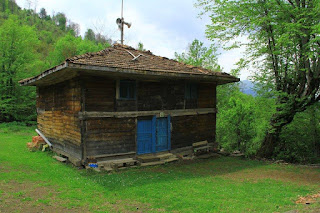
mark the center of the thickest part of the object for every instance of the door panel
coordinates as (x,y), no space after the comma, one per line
(153,135)
(162,134)
(144,136)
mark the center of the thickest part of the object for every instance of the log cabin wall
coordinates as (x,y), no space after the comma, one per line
(104,136)
(99,94)
(160,96)
(110,135)
(193,128)
(58,107)
(207,96)
(189,129)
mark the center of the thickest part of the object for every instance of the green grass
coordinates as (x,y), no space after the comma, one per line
(212,185)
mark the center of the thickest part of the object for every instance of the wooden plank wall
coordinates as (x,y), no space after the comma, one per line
(118,135)
(58,107)
(207,96)
(190,129)
(160,96)
(100,94)
(126,105)
(110,135)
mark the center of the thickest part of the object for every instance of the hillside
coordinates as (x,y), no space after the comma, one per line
(247,87)
(30,43)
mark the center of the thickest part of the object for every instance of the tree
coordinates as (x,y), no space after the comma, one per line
(102,39)
(61,20)
(141,47)
(69,46)
(43,13)
(18,60)
(199,55)
(90,35)
(74,28)
(236,117)
(284,44)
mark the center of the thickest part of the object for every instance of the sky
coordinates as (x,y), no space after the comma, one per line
(163,26)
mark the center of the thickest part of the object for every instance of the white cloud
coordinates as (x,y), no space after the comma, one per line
(164,27)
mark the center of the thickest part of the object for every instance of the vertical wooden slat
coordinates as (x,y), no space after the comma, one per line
(154,133)
(169,132)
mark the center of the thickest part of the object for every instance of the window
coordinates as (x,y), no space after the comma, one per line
(191,91)
(127,89)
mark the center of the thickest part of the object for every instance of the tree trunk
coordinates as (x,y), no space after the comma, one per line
(270,142)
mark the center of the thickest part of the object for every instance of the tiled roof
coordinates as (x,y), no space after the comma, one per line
(119,56)
(127,58)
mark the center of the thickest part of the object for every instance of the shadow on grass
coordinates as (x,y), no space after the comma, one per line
(178,171)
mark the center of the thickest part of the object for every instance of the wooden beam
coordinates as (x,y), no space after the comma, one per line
(111,155)
(158,113)
(44,138)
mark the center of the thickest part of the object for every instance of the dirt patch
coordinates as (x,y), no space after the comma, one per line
(306,177)
(4,168)
(308,199)
(29,197)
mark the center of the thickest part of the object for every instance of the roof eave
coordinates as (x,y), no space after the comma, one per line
(166,74)
(30,81)
(110,70)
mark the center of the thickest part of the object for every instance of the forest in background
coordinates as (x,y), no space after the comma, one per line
(32,42)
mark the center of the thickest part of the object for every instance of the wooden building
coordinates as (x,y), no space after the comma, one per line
(121,101)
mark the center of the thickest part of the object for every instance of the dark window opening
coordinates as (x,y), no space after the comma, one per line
(191,92)
(127,89)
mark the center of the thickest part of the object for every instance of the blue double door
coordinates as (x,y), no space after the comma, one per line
(153,135)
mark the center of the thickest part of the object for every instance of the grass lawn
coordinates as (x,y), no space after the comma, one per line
(35,182)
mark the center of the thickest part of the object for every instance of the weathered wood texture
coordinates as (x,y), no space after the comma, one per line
(160,95)
(164,95)
(100,94)
(126,105)
(158,113)
(58,107)
(187,130)
(206,96)
(110,135)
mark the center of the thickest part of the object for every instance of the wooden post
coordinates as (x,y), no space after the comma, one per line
(83,123)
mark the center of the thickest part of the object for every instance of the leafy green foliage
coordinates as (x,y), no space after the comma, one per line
(18,60)
(242,120)
(69,46)
(199,55)
(283,45)
(90,35)
(140,47)
(29,44)
(61,20)
(299,141)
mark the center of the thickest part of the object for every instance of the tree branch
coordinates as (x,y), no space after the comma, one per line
(291,3)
